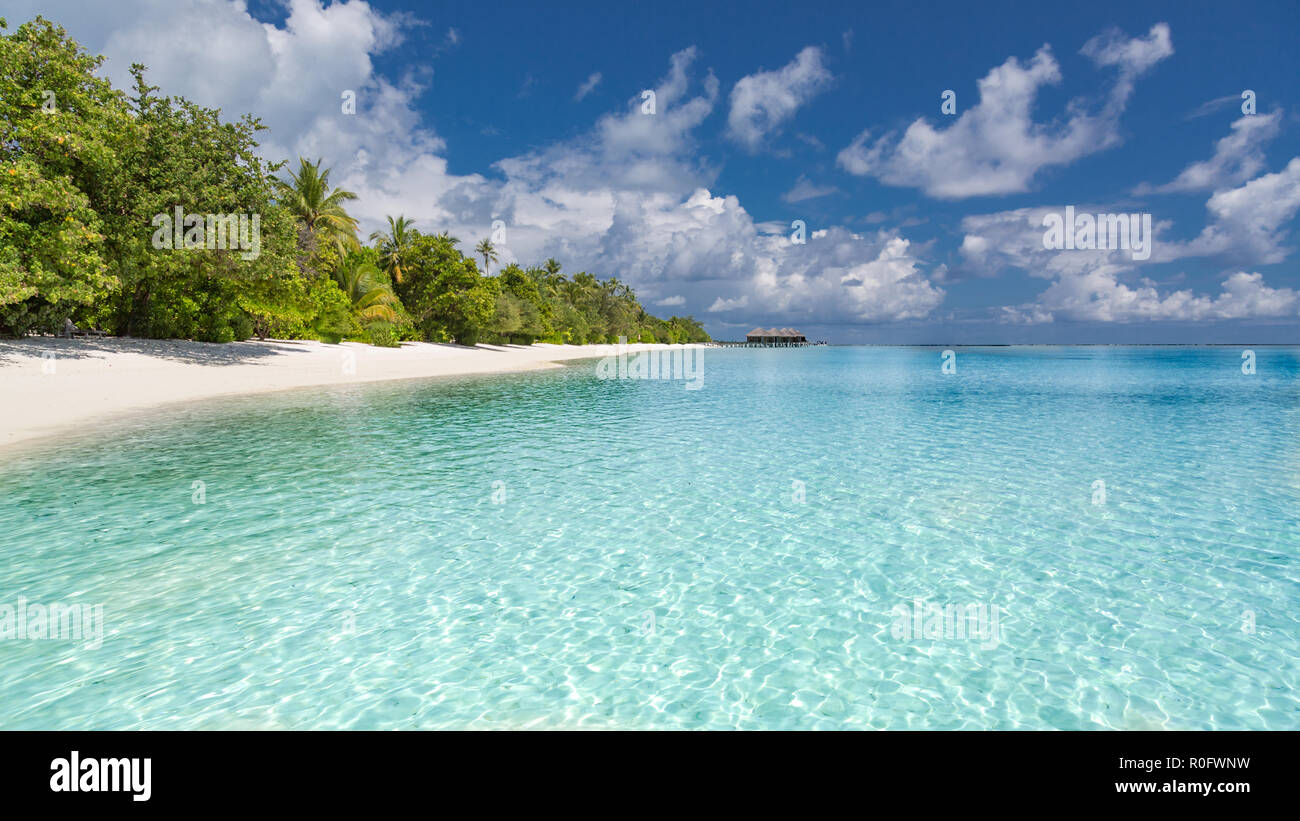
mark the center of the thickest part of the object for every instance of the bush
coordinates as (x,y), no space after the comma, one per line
(241,326)
(33,315)
(383,335)
(333,312)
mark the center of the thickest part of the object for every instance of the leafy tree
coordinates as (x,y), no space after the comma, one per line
(522,313)
(444,292)
(185,163)
(60,128)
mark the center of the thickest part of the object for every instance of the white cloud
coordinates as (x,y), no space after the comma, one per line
(588,85)
(1014,239)
(616,201)
(292,76)
(630,197)
(1211,106)
(806,190)
(995,146)
(721,304)
(811,141)
(1250,222)
(761,103)
(1091,286)
(671,301)
(1237,158)
(829,278)
(1099,296)
(1132,56)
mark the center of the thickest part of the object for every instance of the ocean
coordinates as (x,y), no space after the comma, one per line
(816,538)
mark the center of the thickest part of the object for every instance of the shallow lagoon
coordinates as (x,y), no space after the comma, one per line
(556,550)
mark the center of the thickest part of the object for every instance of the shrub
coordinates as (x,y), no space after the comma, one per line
(382,335)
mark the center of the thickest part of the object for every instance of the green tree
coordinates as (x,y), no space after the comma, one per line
(61,128)
(307,194)
(394,246)
(363,284)
(183,159)
(488,251)
(96,187)
(444,292)
(521,312)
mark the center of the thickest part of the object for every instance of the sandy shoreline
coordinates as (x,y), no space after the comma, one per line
(47,384)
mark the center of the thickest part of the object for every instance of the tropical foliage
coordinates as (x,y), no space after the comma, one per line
(488,251)
(88,174)
(394,246)
(319,209)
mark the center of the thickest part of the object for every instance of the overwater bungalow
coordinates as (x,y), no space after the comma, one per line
(775,336)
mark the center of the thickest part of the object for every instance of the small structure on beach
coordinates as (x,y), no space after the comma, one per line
(775,336)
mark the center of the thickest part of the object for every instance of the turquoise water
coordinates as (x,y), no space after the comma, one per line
(551,550)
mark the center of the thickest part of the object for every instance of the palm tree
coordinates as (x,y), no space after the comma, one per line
(307,194)
(549,278)
(486,250)
(394,246)
(372,300)
(572,291)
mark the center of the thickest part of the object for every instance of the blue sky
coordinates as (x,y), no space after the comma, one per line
(923,226)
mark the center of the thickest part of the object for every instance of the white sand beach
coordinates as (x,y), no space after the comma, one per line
(48,384)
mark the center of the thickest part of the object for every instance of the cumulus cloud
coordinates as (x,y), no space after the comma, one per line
(1094,285)
(721,304)
(1132,56)
(995,146)
(1098,295)
(1237,158)
(761,103)
(992,243)
(1250,222)
(292,75)
(632,196)
(828,277)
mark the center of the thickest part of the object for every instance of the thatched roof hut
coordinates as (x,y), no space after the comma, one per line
(775,336)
